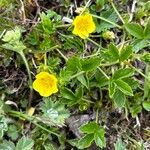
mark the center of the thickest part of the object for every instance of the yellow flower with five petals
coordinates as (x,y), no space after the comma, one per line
(83,25)
(45,84)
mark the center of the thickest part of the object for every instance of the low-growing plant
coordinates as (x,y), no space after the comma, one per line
(93,62)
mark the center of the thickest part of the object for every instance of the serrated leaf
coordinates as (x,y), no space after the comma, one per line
(119,98)
(123,73)
(100,3)
(146,105)
(90,63)
(147,30)
(147,82)
(46,23)
(103,25)
(12,132)
(17,47)
(101,79)
(135,110)
(86,141)
(73,43)
(12,35)
(139,44)
(68,94)
(73,64)
(79,92)
(99,138)
(49,147)
(119,145)
(54,113)
(7,145)
(89,127)
(124,87)
(135,29)
(25,144)
(125,53)
(114,51)
(83,80)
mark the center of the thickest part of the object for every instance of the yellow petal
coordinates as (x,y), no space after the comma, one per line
(45,84)
(42,75)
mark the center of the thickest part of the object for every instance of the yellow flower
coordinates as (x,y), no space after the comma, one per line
(83,25)
(45,84)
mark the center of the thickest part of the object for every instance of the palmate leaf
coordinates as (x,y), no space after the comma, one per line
(55,112)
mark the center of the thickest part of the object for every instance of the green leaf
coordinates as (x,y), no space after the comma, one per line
(101,79)
(7,145)
(119,145)
(135,30)
(12,132)
(139,44)
(99,138)
(100,3)
(111,88)
(49,147)
(125,53)
(86,141)
(147,30)
(54,112)
(123,73)
(114,51)
(103,25)
(124,87)
(24,144)
(73,43)
(68,94)
(83,80)
(146,105)
(3,125)
(79,92)
(89,127)
(46,23)
(147,82)
(135,110)
(90,63)
(17,47)
(73,64)
(12,35)
(119,98)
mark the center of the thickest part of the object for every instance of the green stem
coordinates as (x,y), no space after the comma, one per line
(87,101)
(137,70)
(103,73)
(104,19)
(97,115)
(109,64)
(63,56)
(76,75)
(45,59)
(95,43)
(29,74)
(31,119)
(114,7)
(85,7)
(63,26)
(27,67)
